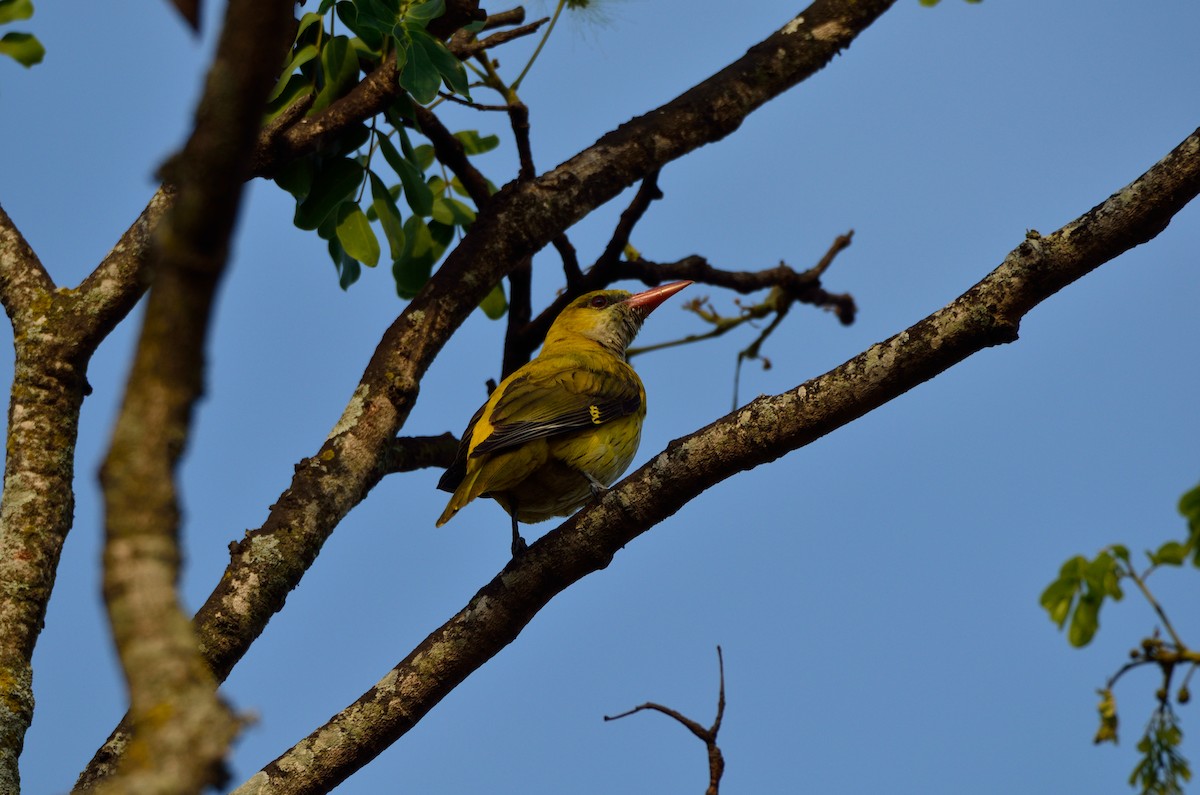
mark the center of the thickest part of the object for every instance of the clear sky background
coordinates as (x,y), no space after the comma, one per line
(875,593)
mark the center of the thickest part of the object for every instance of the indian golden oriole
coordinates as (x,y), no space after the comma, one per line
(566,425)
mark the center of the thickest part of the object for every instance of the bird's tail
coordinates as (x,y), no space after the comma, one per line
(465,492)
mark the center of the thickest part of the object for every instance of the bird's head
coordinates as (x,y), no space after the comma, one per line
(609,317)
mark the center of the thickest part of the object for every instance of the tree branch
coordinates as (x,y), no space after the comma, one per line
(450,153)
(518,221)
(37,501)
(22,277)
(111,291)
(163,667)
(647,192)
(420,452)
(465,47)
(282,144)
(708,736)
(762,431)
(803,286)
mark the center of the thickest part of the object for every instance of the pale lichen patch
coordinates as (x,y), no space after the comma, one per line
(354,410)
(831,31)
(792,26)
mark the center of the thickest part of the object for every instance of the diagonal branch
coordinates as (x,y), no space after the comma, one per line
(647,192)
(110,292)
(22,276)
(518,221)
(282,143)
(164,669)
(762,431)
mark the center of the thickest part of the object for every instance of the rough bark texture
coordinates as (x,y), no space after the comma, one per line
(763,430)
(181,728)
(55,332)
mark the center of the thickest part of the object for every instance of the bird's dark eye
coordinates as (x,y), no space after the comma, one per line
(599,302)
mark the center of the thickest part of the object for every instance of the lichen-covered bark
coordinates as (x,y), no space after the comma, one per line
(763,430)
(54,333)
(35,515)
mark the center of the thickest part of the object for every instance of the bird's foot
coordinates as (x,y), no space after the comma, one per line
(598,488)
(518,546)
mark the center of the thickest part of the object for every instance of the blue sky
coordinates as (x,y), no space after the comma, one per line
(875,593)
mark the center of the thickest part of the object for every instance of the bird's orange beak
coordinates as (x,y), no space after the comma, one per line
(646,302)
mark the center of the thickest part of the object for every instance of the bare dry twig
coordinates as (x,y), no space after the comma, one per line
(716,760)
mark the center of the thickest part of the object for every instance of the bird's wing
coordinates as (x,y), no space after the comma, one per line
(455,473)
(549,401)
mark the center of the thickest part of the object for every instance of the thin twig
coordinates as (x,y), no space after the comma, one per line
(647,192)
(1162,615)
(466,48)
(716,761)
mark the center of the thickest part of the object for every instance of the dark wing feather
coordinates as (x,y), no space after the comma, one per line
(538,406)
(455,473)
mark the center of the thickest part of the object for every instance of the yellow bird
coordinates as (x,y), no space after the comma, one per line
(562,428)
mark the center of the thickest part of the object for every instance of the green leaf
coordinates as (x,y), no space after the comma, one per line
(307,21)
(411,270)
(324,6)
(416,192)
(296,177)
(296,88)
(348,269)
(1171,553)
(452,212)
(24,48)
(356,236)
(388,149)
(1104,575)
(494,304)
(443,236)
(1084,622)
(475,144)
(339,72)
(443,61)
(15,10)
(298,59)
(419,77)
(389,216)
(422,13)
(1057,599)
(382,15)
(422,156)
(351,140)
(1189,506)
(335,181)
(369,27)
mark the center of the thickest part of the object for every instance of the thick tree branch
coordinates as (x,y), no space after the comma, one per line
(38,501)
(450,153)
(22,277)
(762,431)
(518,221)
(55,333)
(163,667)
(420,452)
(108,294)
(280,145)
